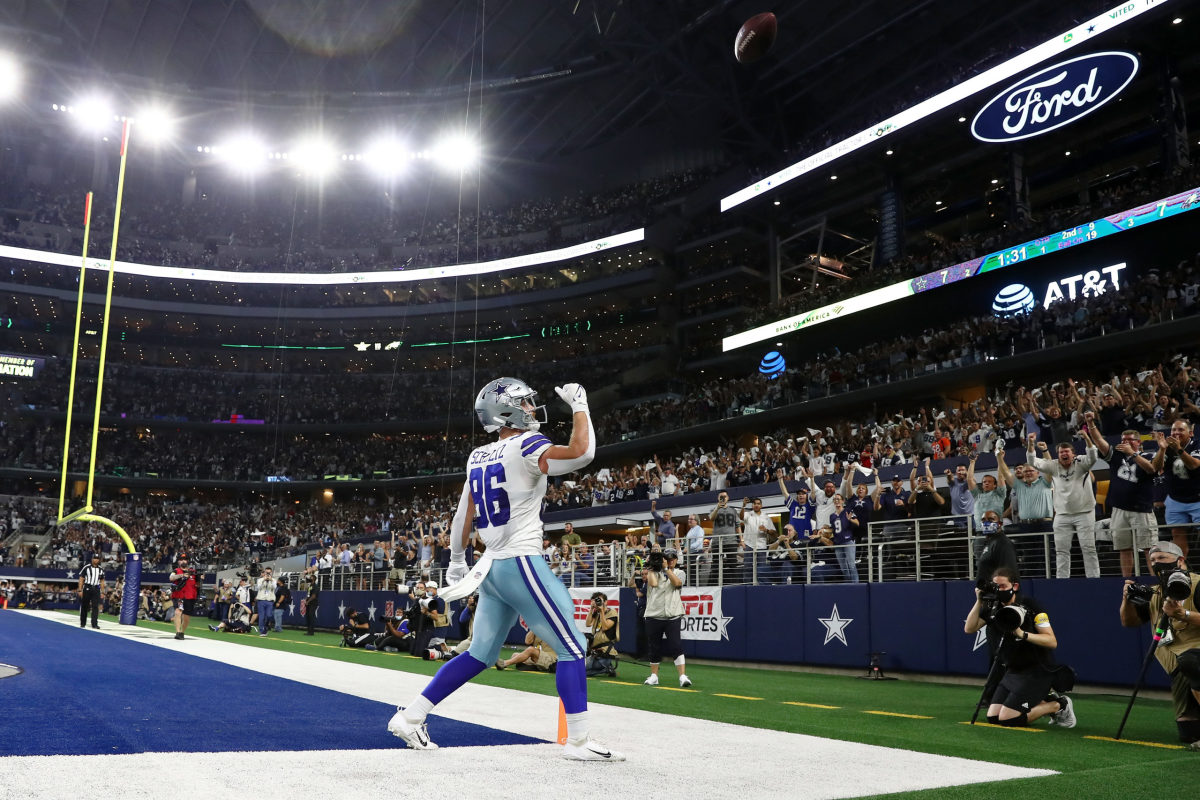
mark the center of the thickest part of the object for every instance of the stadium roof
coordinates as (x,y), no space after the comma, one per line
(559,78)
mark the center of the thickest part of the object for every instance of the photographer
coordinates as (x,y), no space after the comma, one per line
(357,631)
(265,599)
(396,634)
(602,637)
(434,609)
(1025,654)
(311,603)
(238,620)
(1177,616)
(183,596)
(664,612)
(283,599)
(537,654)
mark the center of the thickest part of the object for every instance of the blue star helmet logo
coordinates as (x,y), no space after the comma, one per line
(500,389)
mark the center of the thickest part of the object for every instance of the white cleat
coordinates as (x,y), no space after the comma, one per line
(415,736)
(651,681)
(1065,717)
(589,750)
(684,681)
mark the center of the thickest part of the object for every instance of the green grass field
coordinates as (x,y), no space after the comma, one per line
(928,717)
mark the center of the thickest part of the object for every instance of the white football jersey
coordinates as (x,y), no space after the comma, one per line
(508,488)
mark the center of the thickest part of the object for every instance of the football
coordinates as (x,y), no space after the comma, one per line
(755,38)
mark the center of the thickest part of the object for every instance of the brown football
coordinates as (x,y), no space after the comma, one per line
(755,38)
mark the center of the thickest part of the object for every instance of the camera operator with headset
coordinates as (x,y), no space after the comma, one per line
(1177,617)
(1025,654)
(664,612)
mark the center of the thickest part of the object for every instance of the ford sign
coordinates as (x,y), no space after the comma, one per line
(1054,97)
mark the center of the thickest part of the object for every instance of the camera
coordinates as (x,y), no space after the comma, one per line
(1139,594)
(1009,618)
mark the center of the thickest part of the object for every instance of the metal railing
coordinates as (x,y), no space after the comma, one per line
(933,548)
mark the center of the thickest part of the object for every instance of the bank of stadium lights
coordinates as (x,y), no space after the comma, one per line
(313,157)
(155,125)
(386,157)
(244,153)
(454,153)
(10,77)
(92,113)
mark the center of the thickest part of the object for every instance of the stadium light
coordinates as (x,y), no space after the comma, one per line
(387,156)
(10,77)
(455,153)
(155,124)
(244,153)
(93,114)
(315,157)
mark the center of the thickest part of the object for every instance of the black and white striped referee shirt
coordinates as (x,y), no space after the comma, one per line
(92,576)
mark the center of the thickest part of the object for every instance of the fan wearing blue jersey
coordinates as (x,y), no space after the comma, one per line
(502,501)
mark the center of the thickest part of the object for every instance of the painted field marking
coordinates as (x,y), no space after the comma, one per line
(1003,727)
(895,714)
(680,689)
(1134,741)
(621,683)
(806,705)
(735,696)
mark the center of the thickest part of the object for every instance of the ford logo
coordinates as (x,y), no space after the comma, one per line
(1054,97)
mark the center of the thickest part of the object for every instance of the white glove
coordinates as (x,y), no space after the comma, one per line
(573,395)
(457,570)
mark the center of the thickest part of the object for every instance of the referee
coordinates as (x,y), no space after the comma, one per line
(91,587)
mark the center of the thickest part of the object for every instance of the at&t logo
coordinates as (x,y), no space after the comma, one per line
(1017,298)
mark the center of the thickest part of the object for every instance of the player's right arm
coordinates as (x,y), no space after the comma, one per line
(460,534)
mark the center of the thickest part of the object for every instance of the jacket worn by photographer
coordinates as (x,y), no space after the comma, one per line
(665,601)
(1182,636)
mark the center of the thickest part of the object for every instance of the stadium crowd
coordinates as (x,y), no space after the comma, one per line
(1148,398)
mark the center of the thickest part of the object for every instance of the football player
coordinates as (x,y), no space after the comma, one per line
(502,500)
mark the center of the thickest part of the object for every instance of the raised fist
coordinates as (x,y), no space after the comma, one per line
(573,395)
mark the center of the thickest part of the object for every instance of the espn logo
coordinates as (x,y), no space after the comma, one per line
(584,604)
(697,604)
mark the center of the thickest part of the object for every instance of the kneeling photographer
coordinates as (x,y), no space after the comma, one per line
(1025,657)
(602,636)
(1171,607)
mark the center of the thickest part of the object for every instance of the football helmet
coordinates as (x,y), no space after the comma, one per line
(499,405)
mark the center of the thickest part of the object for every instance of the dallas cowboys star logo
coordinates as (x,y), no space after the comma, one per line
(371,611)
(500,389)
(835,626)
(292,609)
(70,574)
(341,610)
(980,639)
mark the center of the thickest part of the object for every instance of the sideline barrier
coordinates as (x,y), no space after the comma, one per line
(917,626)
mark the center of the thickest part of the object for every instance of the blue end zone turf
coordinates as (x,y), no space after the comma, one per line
(84,692)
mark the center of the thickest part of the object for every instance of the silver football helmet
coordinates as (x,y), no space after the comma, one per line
(499,405)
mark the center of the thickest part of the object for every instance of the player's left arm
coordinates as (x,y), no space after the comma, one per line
(561,459)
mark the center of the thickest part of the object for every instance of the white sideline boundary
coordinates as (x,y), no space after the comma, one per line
(668,755)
